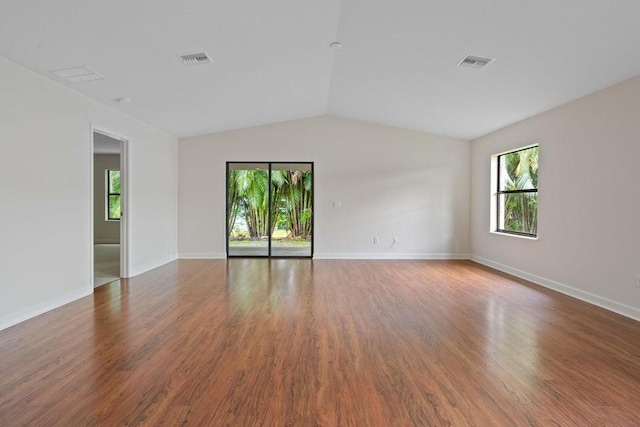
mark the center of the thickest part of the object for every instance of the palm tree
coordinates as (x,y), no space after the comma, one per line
(292,192)
(233,199)
(248,196)
(521,209)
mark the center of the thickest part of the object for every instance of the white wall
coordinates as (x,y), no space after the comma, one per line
(589,199)
(390,182)
(45,192)
(103,231)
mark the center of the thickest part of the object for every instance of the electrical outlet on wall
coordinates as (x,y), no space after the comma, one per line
(376,240)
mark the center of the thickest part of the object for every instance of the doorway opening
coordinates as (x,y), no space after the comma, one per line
(108,243)
(269,209)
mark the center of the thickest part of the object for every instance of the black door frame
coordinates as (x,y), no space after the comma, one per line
(226,210)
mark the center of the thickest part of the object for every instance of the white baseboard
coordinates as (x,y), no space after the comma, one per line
(37,309)
(203,255)
(606,303)
(222,255)
(381,255)
(141,269)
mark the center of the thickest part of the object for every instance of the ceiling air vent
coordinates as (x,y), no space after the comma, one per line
(195,58)
(77,74)
(475,62)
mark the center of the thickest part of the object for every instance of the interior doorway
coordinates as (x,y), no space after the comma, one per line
(269,209)
(109,190)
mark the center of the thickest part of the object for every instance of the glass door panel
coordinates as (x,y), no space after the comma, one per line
(291,209)
(248,209)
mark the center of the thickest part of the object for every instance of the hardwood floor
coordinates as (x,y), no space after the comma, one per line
(334,343)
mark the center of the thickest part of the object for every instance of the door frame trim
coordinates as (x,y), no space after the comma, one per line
(125,181)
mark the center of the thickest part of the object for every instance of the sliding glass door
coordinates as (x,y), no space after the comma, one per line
(292,208)
(248,209)
(269,209)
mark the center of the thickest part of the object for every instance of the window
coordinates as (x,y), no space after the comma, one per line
(517,192)
(113,195)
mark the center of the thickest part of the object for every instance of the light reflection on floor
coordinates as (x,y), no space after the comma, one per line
(275,282)
(511,344)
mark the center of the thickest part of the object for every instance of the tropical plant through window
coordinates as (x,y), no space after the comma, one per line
(113,195)
(518,192)
(248,207)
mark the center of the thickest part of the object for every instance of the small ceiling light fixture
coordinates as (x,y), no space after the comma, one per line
(335,45)
(123,100)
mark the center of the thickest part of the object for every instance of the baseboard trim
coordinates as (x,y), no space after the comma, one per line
(600,301)
(203,255)
(138,270)
(38,309)
(223,255)
(374,255)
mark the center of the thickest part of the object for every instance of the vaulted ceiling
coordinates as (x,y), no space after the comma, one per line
(272,61)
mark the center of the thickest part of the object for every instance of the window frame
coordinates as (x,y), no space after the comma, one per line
(505,192)
(109,194)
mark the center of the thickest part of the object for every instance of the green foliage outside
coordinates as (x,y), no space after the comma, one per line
(114,194)
(248,194)
(519,171)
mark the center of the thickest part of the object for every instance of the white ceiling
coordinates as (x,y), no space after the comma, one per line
(103,144)
(272,61)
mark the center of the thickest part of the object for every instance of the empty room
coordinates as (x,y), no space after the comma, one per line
(319,213)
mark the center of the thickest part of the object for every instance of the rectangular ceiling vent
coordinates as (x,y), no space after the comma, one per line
(475,62)
(195,59)
(77,74)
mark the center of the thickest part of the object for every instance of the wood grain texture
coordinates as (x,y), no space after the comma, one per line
(283,342)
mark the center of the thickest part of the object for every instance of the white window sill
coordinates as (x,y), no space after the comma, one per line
(499,233)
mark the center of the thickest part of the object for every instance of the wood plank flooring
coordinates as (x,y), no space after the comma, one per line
(284,342)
